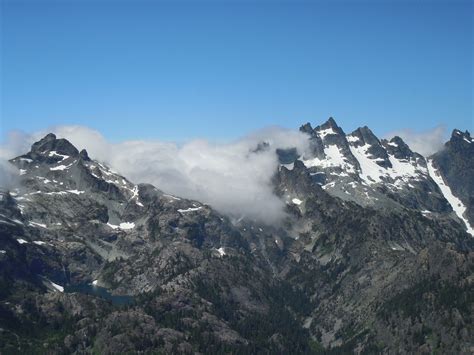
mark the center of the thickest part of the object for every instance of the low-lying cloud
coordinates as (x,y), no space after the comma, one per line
(230,177)
(425,142)
(15,144)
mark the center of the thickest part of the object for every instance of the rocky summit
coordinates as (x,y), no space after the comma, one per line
(374,255)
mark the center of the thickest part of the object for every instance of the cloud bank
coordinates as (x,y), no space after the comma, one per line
(425,142)
(228,176)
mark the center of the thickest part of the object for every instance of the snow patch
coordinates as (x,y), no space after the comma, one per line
(371,173)
(77,192)
(123,225)
(352,138)
(22,241)
(127,225)
(455,203)
(221,251)
(35,224)
(189,210)
(334,158)
(297,201)
(61,167)
(329,131)
(53,153)
(57,287)
(370,170)
(113,226)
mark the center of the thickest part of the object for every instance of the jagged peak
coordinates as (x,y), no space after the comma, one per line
(330,123)
(399,142)
(306,128)
(398,148)
(366,135)
(330,127)
(84,155)
(50,143)
(458,134)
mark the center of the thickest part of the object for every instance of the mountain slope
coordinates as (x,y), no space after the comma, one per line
(455,166)
(380,173)
(93,263)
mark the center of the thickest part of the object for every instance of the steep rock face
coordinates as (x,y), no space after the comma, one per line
(354,263)
(337,274)
(362,137)
(455,163)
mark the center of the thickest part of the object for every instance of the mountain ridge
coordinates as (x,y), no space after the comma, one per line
(334,276)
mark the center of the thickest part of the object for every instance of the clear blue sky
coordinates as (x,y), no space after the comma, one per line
(178,70)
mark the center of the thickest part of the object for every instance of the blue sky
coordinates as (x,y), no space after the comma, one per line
(218,70)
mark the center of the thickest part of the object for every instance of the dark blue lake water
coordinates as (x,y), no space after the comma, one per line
(100,292)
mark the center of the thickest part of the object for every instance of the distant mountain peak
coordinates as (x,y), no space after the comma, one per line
(84,155)
(330,123)
(366,136)
(397,140)
(458,135)
(306,128)
(50,144)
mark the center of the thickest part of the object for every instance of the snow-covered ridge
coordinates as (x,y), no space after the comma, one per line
(367,160)
(402,169)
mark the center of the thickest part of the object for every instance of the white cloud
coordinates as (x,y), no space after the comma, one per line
(227,176)
(16,142)
(425,142)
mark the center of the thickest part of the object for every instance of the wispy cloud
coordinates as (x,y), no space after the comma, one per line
(424,142)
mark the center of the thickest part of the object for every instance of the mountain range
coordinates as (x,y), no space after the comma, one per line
(375,254)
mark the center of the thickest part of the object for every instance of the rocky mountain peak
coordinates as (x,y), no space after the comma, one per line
(51,145)
(84,155)
(366,136)
(307,128)
(459,136)
(331,122)
(329,127)
(398,148)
